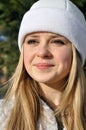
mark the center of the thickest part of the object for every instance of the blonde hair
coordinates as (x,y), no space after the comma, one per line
(72,109)
(24,114)
(26,110)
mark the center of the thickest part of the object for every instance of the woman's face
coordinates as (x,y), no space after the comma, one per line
(47,57)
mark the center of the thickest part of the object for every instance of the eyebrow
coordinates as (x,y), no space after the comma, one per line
(52,36)
(34,36)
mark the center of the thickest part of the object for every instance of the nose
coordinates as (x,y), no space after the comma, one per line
(44,51)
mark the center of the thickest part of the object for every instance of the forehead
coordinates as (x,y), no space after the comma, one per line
(46,34)
(43,33)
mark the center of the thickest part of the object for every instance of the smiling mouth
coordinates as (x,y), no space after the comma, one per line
(43,65)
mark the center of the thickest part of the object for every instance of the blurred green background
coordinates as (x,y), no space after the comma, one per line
(11,12)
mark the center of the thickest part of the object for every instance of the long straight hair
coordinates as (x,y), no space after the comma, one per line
(27,108)
(72,109)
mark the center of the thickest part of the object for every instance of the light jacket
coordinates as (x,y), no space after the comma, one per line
(45,122)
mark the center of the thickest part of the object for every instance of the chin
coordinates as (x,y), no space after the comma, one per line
(42,80)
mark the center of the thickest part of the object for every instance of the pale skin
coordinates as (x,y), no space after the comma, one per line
(47,59)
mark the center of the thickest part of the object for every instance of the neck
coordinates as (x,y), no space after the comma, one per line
(52,92)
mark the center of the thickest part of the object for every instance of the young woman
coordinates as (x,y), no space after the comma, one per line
(48,88)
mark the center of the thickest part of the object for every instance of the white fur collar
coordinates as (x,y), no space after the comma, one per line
(47,121)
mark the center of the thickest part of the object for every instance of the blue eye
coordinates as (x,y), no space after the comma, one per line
(58,41)
(31,41)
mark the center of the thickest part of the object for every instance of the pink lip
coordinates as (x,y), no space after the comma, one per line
(43,65)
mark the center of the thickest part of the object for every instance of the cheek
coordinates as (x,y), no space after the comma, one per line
(27,57)
(64,57)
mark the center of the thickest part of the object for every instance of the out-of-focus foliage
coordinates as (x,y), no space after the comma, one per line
(11,12)
(81,4)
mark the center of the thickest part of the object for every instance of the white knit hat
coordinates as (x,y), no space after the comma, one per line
(56,16)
